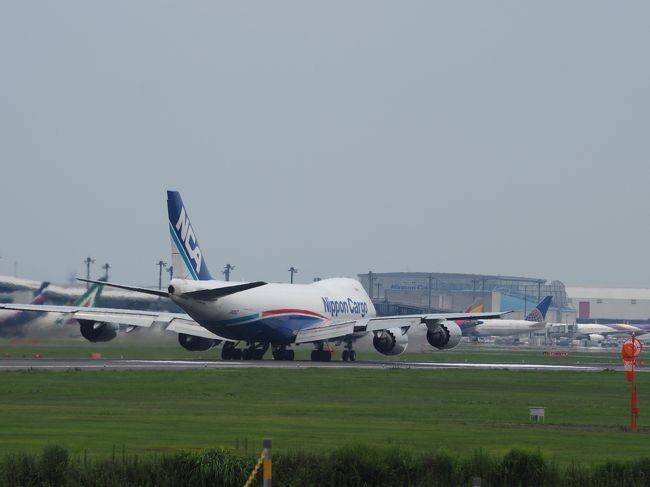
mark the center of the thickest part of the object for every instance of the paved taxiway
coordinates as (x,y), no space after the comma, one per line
(122,364)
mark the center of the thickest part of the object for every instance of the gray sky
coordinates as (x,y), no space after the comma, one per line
(337,137)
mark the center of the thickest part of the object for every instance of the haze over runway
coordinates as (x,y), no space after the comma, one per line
(494,138)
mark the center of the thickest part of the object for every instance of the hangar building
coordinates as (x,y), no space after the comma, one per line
(418,292)
(610,305)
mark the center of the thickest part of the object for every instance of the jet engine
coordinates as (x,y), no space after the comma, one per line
(196,344)
(98,331)
(444,335)
(595,337)
(390,342)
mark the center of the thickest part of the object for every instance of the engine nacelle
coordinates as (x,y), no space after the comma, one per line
(444,335)
(391,342)
(595,337)
(196,344)
(98,331)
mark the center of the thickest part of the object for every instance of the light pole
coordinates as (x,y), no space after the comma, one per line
(88,261)
(226,271)
(160,265)
(170,270)
(106,267)
(292,271)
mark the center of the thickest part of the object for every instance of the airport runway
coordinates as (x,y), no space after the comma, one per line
(122,364)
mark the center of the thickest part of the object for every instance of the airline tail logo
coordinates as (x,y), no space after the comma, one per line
(535,315)
(186,234)
(539,313)
(187,258)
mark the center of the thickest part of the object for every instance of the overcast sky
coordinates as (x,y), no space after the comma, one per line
(491,137)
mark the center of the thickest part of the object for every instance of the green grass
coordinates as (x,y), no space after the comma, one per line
(455,411)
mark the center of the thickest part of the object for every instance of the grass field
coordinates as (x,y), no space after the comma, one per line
(457,411)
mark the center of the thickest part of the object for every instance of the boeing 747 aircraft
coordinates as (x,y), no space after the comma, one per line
(261,315)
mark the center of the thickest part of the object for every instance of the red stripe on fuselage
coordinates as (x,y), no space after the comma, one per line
(274,312)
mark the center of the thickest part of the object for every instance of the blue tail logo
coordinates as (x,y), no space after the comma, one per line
(184,240)
(539,313)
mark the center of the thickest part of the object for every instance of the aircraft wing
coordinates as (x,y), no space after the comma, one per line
(176,322)
(334,329)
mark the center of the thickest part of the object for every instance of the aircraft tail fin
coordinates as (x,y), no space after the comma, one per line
(92,295)
(187,258)
(539,312)
(40,295)
(474,307)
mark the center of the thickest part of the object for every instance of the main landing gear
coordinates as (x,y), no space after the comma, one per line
(254,351)
(348,353)
(230,352)
(281,353)
(321,356)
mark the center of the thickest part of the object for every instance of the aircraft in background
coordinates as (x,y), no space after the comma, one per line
(261,315)
(12,323)
(597,332)
(88,299)
(472,308)
(535,320)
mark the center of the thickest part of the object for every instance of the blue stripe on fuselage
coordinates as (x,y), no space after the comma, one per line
(236,320)
(274,329)
(181,251)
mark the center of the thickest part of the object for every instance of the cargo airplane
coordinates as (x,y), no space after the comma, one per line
(261,315)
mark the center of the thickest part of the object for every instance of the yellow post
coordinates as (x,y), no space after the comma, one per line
(267,462)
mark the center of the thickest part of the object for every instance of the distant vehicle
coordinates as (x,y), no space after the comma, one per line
(535,320)
(262,315)
(12,324)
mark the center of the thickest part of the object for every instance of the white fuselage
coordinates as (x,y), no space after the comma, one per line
(584,329)
(274,312)
(507,327)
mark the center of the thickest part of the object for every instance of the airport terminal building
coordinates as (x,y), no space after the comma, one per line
(610,305)
(418,292)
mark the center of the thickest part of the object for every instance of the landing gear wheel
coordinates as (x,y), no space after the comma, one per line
(228,351)
(283,354)
(321,356)
(237,354)
(346,355)
(353,356)
(247,354)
